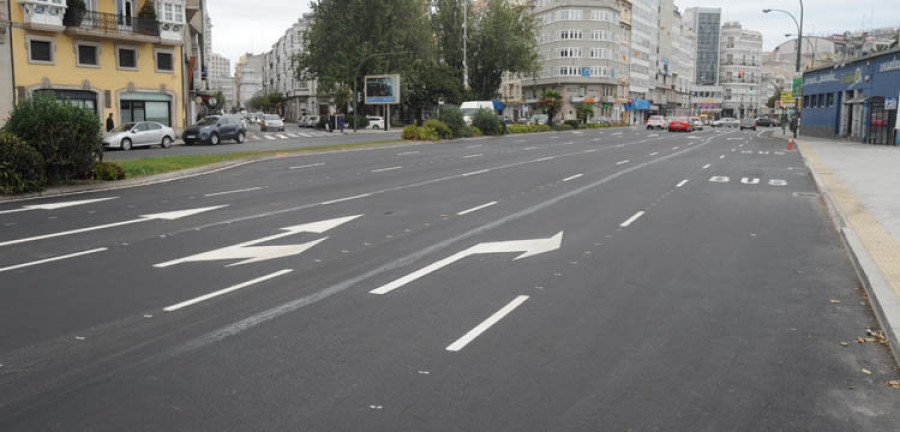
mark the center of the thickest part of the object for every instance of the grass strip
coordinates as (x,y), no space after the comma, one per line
(163,164)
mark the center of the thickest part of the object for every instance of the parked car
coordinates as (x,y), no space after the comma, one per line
(765,122)
(471,107)
(656,122)
(680,124)
(696,123)
(539,119)
(311,121)
(748,123)
(271,122)
(137,134)
(376,122)
(726,122)
(214,129)
(601,120)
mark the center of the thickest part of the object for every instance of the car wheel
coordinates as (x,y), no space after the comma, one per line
(126,144)
(214,139)
(240,138)
(166,142)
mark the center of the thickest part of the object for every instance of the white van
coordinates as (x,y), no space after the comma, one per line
(469,108)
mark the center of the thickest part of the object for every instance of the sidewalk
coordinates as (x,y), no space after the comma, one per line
(859,184)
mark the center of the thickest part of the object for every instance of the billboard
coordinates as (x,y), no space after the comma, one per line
(382,89)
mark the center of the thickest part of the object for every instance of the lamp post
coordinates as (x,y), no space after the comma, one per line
(813,45)
(356,73)
(799,30)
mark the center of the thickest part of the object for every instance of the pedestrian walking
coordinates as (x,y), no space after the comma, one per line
(110,124)
(340,123)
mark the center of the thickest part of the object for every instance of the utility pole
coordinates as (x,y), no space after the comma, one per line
(465,43)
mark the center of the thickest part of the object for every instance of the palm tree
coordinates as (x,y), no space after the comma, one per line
(551,102)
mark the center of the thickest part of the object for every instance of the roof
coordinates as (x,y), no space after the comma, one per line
(894,51)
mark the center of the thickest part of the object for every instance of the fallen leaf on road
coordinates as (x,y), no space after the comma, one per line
(894,383)
(860,339)
(832,301)
(866,371)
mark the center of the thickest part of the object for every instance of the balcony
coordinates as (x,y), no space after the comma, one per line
(126,28)
(44,15)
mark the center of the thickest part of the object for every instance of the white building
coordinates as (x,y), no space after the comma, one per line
(249,76)
(674,74)
(280,74)
(644,56)
(740,70)
(219,66)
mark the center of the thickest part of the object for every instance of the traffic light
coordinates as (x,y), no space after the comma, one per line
(545,110)
(629,101)
(605,105)
(740,74)
(751,90)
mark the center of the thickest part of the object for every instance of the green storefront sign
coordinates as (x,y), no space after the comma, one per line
(798,87)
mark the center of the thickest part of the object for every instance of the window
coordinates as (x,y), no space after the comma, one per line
(601,15)
(40,50)
(569,71)
(599,53)
(830,100)
(88,54)
(568,34)
(569,15)
(569,53)
(165,61)
(601,35)
(822,100)
(599,71)
(127,57)
(806,100)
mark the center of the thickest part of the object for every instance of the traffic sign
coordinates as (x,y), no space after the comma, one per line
(787,96)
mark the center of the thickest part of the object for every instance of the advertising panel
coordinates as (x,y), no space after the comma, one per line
(382,89)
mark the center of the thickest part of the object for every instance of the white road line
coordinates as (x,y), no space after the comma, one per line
(386,169)
(631,219)
(475,172)
(722,157)
(253,137)
(622,162)
(474,145)
(618,133)
(486,324)
(291,135)
(345,199)
(473,156)
(44,261)
(572,178)
(304,135)
(530,148)
(620,146)
(544,159)
(233,191)
(196,300)
(307,166)
(707,166)
(282,136)
(654,153)
(675,148)
(268,137)
(681,183)
(473,209)
(408,153)
(567,143)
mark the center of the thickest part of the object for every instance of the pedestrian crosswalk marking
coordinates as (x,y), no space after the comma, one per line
(304,135)
(269,137)
(282,136)
(292,135)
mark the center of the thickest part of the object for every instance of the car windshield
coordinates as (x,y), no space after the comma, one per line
(272,117)
(124,127)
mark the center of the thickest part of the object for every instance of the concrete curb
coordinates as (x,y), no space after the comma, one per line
(882,299)
(186,173)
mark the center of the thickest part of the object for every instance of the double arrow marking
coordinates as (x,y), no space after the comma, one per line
(250,253)
(527,247)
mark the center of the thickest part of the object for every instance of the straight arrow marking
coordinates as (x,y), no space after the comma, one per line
(56,205)
(527,247)
(165,216)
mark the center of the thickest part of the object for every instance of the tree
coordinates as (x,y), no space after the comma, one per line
(551,102)
(501,39)
(773,99)
(584,112)
(447,25)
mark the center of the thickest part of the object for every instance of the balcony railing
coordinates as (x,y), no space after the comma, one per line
(107,22)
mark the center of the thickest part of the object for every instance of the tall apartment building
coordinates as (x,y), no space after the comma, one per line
(740,72)
(644,57)
(674,74)
(706,23)
(6,70)
(219,66)
(579,51)
(220,80)
(281,74)
(249,76)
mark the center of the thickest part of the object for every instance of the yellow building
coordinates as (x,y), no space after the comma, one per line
(106,58)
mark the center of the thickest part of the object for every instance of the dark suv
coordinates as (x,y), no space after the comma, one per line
(214,129)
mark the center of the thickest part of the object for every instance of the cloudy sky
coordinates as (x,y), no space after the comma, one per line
(241,26)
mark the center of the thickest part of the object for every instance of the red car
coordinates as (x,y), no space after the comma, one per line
(680,124)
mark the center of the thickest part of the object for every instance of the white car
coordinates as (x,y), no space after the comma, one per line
(271,122)
(696,123)
(138,134)
(657,122)
(312,121)
(376,122)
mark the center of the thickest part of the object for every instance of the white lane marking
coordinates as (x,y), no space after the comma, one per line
(386,169)
(590,151)
(596,139)
(779,153)
(719,179)
(486,324)
(573,177)
(253,137)
(474,145)
(733,150)
(173,215)
(304,135)
(620,146)
(196,300)
(473,156)
(681,183)
(58,258)
(632,219)
(233,191)
(345,199)
(308,166)
(268,137)
(707,166)
(474,209)
(407,153)
(722,157)
(544,159)
(475,172)
(530,148)
(741,145)
(291,135)
(675,148)
(567,143)
(617,133)
(735,139)
(654,153)
(56,205)
(622,162)
(652,135)
(777,182)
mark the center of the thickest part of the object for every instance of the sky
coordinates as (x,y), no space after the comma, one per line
(241,26)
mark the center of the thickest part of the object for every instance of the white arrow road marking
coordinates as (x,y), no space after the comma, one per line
(57,205)
(527,247)
(719,179)
(250,253)
(196,300)
(144,218)
(486,324)
(750,181)
(58,258)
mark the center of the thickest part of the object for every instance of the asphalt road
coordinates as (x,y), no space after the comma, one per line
(597,280)
(292,137)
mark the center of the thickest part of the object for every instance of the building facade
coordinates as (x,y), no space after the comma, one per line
(856,100)
(249,78)
(6,70)
(109,61)
(643,58)
(674,73)
(740,70)
(706,24)
(219,66)
(280,74)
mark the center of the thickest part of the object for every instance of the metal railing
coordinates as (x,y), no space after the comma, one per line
(108,22)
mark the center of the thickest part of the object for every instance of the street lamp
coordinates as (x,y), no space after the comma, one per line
(811,44)
(799,29)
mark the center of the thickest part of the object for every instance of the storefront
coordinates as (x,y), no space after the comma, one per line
(145,106)
(81,98)
(856,100)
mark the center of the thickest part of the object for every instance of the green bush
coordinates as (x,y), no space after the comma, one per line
(595,125)
(362,122)
(453,118)
(108,171)
(68,137)
(475,131)
(21,166)
(573,123)
(410,132)
(541,128)
(563,127)
(440,127)
(488,122)
(520,128)
(426,133)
